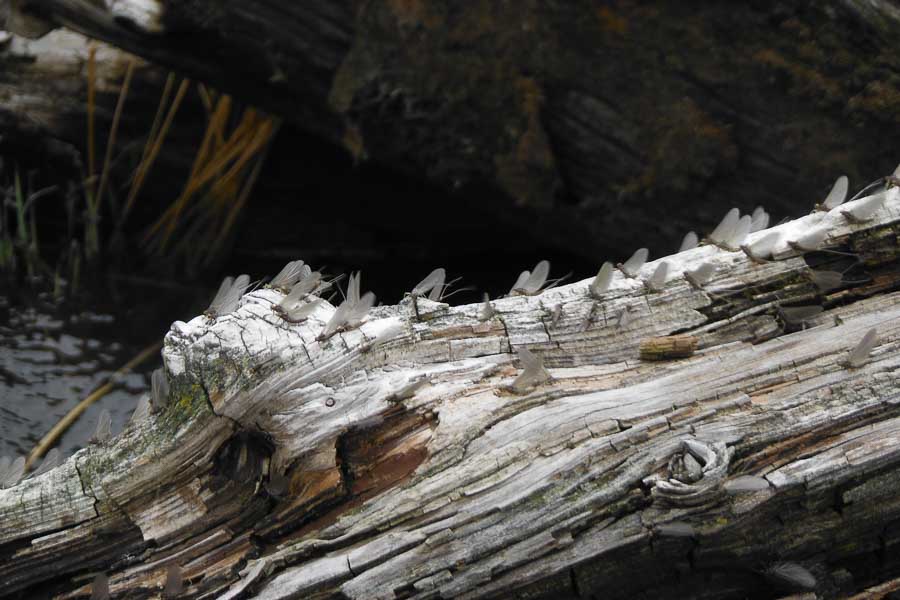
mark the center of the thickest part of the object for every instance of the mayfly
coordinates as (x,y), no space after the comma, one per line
(632,266)
(351,312)
(533,371)
(799,315)
(725,228)
(701,275)
(759,220)
(13,473)
(292,272)
(159,390)
(174,582)
(293,307)
(657,281)
(792,575)
(761,250)
(531,282)
(387,333)
(229,295)
(624,318)
(836,196)
(809,241)
(556,315)
(601,283)
(486,312)
(689,242)
(864,209)
(738,234)
(141,410)
(50,462)
(860,354)
(100,587)
(103,431)
(433,284)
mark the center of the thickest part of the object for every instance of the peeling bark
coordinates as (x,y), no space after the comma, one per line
(288,467)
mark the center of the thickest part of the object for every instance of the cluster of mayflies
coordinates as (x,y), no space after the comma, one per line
(351,312)
(229,295)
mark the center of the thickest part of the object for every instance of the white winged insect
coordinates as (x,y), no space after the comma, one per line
(351,312)
(860,354)
(600,284)
(531,282)
(759,220)
(50,462)
(632,266)
(229,296)
(701,275)
(103,431)
(292,272)
(13,473)
(725,228)
(689,241)
(864,209)
(836,196)
(432,287)
(761,249)
(142,410)
(792,575)
(738,234)
(159,390)
(657,281)
(487,312)
(294,307)
(809,241)
(799,315)
(533,371)
(886,183)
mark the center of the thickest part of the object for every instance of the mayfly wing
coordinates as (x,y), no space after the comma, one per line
(353,288)
(433,280)
(233,297)
(5,462)
(799,314)
(739,233)
(759,220)
(701,274)
(600,284)
(864,209)
(174,582)
(826,280)
(142,410)
(159,390)
(860,354)
(337,320)
(633,265)
(811,240)
(520,282)
(103,431)
(657,281)
(100,587)
(689,241)
(220,296)
(50,462)
(302,312)
(791,574)
(487,311)
(289,275)
(762,248)
(13,473)
(359,310)
(538,277)
(723,230)
(838,193)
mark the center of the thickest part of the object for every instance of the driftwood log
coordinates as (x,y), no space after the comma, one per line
(595,115)
(285,466)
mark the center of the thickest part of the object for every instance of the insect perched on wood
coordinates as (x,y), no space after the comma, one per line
(759,220)
(530,283)
(292,272)
(624,318)
(799,315)
(159,390)
(228,297)
(141,410)
(761,250)
(103,431)
(657,281)
(12,473)
(50,462)
(725,228)
(555,315)
(600,284)
(533,372)
(393,328)
(432,286)
(859,356)
(809,241)
(701,275)
(689,242)
(886,183)
(863,210)
(790,574)
(486,313)
(632,267)
(836,196)
(100,587)
(738,234)
(351,312)
(826,281)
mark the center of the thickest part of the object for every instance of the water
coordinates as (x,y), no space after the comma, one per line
(52,357)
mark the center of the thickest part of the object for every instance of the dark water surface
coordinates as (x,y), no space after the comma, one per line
(52,356)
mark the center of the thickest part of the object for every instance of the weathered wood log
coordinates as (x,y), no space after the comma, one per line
(596,116)
(290,466)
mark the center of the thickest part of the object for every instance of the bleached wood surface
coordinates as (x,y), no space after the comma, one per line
(461,487)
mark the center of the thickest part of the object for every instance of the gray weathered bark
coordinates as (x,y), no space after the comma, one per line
(598,117)
(288,467)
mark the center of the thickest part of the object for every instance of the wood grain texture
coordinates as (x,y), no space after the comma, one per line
(414,469)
